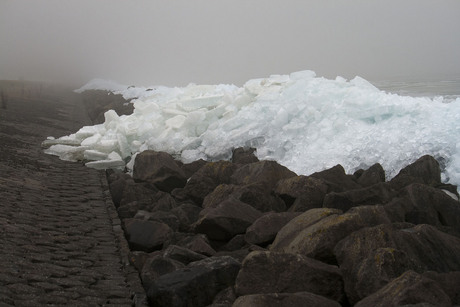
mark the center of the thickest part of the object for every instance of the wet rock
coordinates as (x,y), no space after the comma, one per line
(156,266)
(206,179)
(117,182)
(310,189)
(159,169)
(187,213)
(267,173)
(242,155)
(425,170)
(229,218)
(159,216)
(373,175)
(422,204)
(284,300)
(195,285)
(371,257)
(377,194)
(182,254)
(255,195)
(191,168)
(292,229)
(336,179)
(146,235)
(319,239)
(269,272)
(264,230)
(198,243)
(141,192)
(408,289)
(449,282)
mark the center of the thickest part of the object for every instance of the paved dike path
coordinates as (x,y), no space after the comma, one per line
(61,242)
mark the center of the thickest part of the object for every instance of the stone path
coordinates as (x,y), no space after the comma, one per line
(61,243)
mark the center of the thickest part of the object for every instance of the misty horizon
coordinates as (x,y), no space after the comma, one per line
(175,43)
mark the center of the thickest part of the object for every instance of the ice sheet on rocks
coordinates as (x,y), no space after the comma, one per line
(304,122)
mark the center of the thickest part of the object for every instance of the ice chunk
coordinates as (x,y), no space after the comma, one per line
(304,122)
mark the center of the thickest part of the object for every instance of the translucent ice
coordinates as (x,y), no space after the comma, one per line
(304,122)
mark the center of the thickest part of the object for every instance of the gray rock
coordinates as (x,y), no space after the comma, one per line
(229,218)
(284,300)
(371,257)
(319,239)
(410,288)
(146,236)
(264,230)
(312,191)
(270,272)
(195,285)
(159,169)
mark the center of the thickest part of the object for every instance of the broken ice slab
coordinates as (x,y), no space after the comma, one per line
(69,142)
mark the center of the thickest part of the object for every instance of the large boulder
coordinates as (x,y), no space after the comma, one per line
(422,204)
(294,227)
(319,239)
(371,257)
(198,243)
(206,179)
(449,282)
(264,230)
(425,170)
(267,173)
(408,289)
(145,235)
(229,218)
(373,175)
(188,214)
(336,179)
(255,195)
(242,155)
(377,194)
(310,189)
(155,266)
(117,182)
(159,169)
(195,285)
(182,254)
(284,300)
(269,272)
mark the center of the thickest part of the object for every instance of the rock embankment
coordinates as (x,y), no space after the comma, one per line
(253,233)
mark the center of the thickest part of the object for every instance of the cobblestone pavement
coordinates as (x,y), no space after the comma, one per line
(61,243)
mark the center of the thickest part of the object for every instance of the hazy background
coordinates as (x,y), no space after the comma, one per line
(175,42)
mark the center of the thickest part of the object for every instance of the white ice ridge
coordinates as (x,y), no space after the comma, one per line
(304,122)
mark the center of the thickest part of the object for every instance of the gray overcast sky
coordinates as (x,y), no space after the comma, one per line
(174,42)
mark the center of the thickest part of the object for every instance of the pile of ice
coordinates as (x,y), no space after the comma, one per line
(303,122)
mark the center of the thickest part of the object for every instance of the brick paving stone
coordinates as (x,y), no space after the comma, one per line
(61,241)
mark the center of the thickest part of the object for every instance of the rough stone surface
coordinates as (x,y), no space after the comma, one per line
(284,300)
(159,169)
(269,272)
(310,189)
(265,228)
(267,173)
(371,257)
(336,179)
(377,194)
(408,289)
(145,235)
(373,175)
(425,170)
(196,284)
(319,239)
(60,237)
(229,218)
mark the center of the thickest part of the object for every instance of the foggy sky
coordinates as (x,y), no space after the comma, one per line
(175,42)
